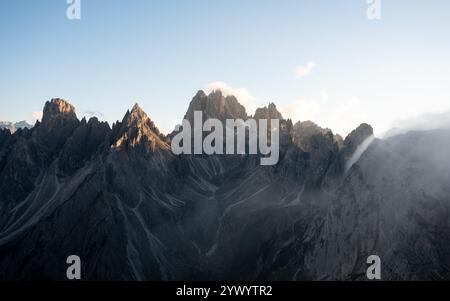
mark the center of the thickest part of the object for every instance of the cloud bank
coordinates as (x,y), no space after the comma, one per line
(425,122)
(36,116)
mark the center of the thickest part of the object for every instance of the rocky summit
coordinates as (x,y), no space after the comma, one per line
(118,198)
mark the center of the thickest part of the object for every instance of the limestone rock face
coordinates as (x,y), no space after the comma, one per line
(269,112)
(118,198)
(137,131)
(305,131)
(59,121)
(355,138)
(215,105)
(58,109)
(85,142)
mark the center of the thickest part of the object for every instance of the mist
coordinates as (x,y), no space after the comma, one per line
(425,122)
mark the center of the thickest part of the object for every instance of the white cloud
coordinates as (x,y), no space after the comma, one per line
(305,70)
(301,110)
(324,96)
(36,116)
(425,122)
(340,117)
(347,116)
(90,114)
(242,94)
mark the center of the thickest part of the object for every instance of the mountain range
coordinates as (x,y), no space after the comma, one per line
(12,127)
(117,197)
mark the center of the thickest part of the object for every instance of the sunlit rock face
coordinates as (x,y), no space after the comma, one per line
(137,130)
(132,210)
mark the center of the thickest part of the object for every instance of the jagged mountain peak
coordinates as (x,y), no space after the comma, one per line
(215,93)
(153,216)
(358,135)
(304,133)
(356,138)
(137,129)
(56,108)
(200,93)
(137,117)
(268,112)
(308,127)
(216,105)
(137,109)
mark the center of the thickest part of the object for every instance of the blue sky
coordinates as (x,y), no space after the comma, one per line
(159,53)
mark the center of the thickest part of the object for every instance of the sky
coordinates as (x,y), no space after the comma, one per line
(318,60)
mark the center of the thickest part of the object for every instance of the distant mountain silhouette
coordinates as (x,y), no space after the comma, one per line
(12,127)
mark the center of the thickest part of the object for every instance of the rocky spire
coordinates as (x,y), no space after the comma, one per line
(306,130)
(356,137)
(350,145)
(138,130)
(58,123)
(269,112)
(216,105)
(58,108)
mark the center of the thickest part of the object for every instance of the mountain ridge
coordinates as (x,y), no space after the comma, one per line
(14,126)
(118,198)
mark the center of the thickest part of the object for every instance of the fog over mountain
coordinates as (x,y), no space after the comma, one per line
(431,121)
(12,127)
(121,200)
